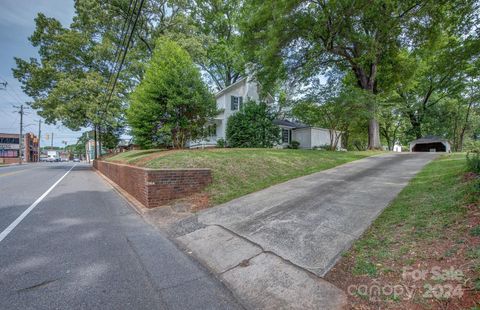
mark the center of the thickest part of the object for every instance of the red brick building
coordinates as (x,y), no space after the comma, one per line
(30,144)
(10,148)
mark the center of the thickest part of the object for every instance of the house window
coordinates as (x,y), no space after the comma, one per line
(285,135)
(236,103)
(8,153)
(9,140)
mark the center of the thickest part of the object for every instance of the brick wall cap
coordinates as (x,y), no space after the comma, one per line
(153,169)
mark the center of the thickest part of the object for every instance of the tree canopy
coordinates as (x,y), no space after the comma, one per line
(382,72)
(172,104)
(303,39)
(209,31)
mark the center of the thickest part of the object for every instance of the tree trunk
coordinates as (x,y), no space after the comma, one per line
(417,130)
(464,128)
(367,82)
(345,137)
(373,135)
(416,125)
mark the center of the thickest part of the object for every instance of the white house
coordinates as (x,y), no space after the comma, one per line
(309,137)
(230,100)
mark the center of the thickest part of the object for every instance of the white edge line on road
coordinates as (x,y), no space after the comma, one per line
(14,224)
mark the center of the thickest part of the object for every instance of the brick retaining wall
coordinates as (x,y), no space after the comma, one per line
(155,187)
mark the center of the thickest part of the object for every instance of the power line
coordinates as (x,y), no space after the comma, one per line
(124,54)
(13,91)
(124,37)
(120,65)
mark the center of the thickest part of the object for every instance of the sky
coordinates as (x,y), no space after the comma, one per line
(16,25)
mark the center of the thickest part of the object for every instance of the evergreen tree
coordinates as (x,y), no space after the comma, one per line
(171,104)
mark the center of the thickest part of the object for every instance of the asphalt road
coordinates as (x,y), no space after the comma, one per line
(81,246)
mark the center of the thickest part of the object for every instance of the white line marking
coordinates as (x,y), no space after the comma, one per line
(25,213)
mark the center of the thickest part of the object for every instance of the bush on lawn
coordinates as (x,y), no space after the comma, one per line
(473,162)
(472,146)
(293,145)
(252,126)
(221,143)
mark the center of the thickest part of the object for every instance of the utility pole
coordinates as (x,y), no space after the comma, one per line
(39,138)
(21,134)
(100,141)
(95,141)
(52,141)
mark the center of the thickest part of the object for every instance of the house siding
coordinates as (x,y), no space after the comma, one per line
(245,89)
(320,137)
(303,136)
(313,137)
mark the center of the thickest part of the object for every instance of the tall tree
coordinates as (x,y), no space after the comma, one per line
(210,34)
(439,72)
(172,104)
(70,80)
(305,38)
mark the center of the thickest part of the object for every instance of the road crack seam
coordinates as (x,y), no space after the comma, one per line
(39,285)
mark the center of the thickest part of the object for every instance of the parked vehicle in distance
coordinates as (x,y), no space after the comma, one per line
(53,156)
(76,160)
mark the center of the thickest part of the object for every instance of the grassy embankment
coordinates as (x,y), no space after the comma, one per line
(433,223)
(237,172)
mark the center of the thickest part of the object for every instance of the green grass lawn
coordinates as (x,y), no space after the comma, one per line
(424,210)
(432,222)
(237,172)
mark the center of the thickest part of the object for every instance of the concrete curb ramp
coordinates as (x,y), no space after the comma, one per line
(272,247)
(260,279)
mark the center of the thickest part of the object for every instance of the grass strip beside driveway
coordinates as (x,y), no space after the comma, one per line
(427,242)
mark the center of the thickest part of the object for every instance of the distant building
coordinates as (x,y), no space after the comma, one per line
(90,150)
(397,147)
(430,144)
(30,150)
(126,145)
(10,148)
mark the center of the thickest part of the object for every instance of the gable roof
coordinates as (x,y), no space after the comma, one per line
(429,139)
(218,94)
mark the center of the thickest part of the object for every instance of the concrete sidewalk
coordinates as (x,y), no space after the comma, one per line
(272,247)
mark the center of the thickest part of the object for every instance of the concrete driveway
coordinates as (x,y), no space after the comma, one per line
(261,244)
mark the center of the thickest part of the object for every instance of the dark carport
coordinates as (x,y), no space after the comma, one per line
(430,144)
